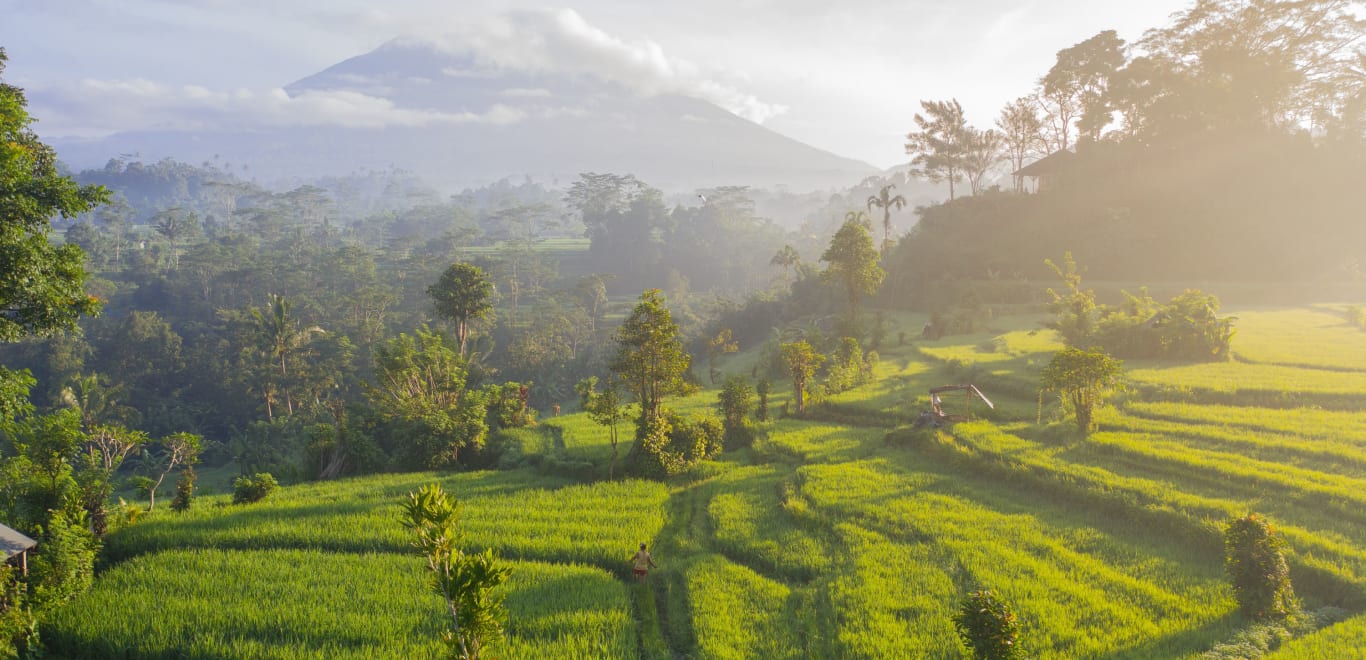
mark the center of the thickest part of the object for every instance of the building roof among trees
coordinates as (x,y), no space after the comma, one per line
(1050,164)
(13,543)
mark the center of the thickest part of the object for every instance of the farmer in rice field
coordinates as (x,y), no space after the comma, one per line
(642,563)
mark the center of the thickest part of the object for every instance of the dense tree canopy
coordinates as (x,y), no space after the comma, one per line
(42,286)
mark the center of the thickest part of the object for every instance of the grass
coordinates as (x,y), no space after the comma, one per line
(518,513)
(824,540)
(1314,338)
(303,603)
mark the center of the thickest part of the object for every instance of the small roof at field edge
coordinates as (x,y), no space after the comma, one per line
(13,543)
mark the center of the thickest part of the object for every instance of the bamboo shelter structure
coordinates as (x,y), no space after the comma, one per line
(13,544)
(936,416)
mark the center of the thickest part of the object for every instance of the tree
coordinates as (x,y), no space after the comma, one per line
(937,148)
(650,358)
(1256,566)
(176,225)
(1076,309)
(1020,134)
(467,582)
(988,627)
(420,383)
(606,407)
(853,262)
(735,402)
(722,344)
(1245,64)
(42,284)
(1082,379)
(801,361)
(787,258)
(762,390)
(463,294)
(281,336)
(1076,89)
(180,449)
(981,152)
(886,201)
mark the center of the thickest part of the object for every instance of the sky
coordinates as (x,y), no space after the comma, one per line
(842,75)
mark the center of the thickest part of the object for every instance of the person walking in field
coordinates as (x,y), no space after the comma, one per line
(642,563)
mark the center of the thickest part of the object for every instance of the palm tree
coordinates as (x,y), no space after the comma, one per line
(885,201)
(280,335)
(176,224)
(787,258)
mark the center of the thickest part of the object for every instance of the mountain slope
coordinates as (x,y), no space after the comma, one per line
(456,123)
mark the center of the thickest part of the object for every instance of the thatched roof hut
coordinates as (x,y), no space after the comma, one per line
(13,544)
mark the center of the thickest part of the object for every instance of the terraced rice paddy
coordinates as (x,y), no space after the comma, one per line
(831,537)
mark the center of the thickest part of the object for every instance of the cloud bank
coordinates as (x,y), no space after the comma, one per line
(562,42)
(556,42)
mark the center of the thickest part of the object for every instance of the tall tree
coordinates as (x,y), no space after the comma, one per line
(886,201)
(650,358)
(937,148)
(463,294)
(787,258)
(1021,134)
(281,336)
(1076,89)
(853,262)
(1246,64)
(42,284)
(176,225)
(981,152)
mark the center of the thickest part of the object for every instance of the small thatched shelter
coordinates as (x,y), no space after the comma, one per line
(1046,170)
(13,544)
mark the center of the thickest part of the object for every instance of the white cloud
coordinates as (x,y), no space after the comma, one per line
(141,104)
(562,42)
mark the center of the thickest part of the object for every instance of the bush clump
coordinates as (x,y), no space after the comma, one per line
(254,488)
(184,490)
(1257,568)
(988,627)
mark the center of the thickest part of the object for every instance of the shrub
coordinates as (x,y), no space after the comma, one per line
(1082,378)
(762,389)
(735,401)
(988,626)
(1257,568)
(698,437)
(255,488)
(508,405)
(18,626)
(184,490)
(468,582)
(64,563)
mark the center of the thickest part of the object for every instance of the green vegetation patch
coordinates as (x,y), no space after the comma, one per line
(207,603)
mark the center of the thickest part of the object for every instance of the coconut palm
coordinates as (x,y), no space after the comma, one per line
(281,335)
(886,202)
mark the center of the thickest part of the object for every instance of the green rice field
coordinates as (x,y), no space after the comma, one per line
(842,534)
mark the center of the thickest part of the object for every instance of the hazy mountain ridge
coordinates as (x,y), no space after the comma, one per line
(471,124)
